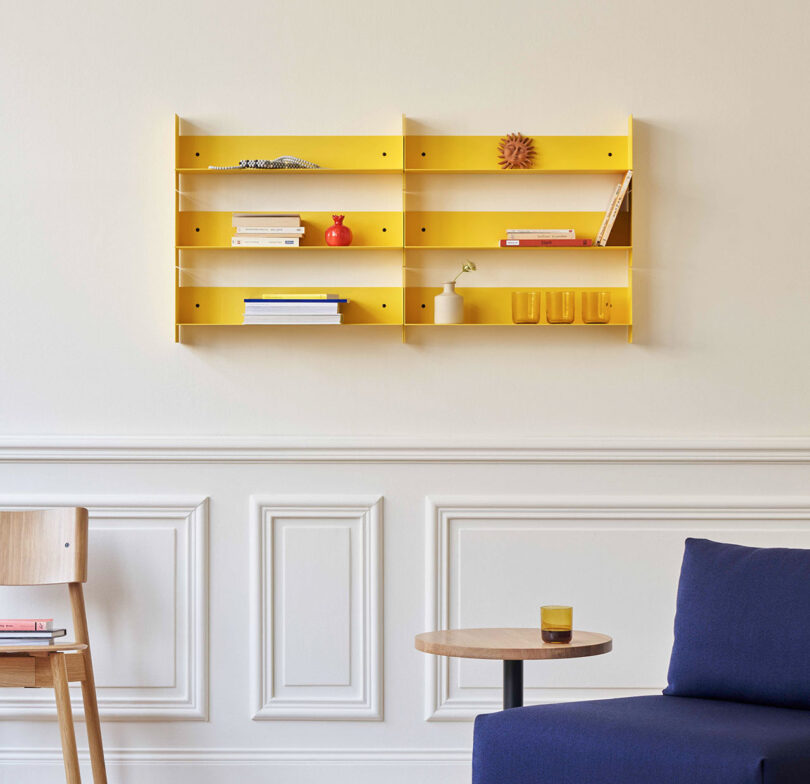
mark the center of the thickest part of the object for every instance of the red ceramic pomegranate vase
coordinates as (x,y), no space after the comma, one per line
(338,234)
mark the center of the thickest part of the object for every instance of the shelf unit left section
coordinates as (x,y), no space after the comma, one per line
(369,272)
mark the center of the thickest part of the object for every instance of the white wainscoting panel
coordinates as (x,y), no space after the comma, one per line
(316,612)
(492,561)
(147,606)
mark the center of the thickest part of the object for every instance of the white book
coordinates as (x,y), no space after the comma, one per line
(265,242)
(292,308)
(542,234)
(335,318)
(613,209)
(270,230)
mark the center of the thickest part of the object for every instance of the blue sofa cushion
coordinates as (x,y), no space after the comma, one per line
(742,627)
(643,740)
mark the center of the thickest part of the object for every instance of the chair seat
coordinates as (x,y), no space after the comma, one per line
(67,647)
(643,740)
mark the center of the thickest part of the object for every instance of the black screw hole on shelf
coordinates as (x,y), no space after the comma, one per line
(423,306)
(384,229)
(424,154)
(197,229)
(384,305)
(384,154)
(197,154)
(610,155)
(67,544)
(197,305)
(423,228)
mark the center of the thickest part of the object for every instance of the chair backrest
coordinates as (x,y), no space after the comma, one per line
(43,547)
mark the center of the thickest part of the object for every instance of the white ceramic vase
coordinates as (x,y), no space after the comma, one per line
(448,307)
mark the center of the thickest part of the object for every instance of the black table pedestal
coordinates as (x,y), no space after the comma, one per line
(512,683)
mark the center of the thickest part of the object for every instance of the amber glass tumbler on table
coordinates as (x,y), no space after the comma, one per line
(556,623)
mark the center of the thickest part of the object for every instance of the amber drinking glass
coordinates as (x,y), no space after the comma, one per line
(596,307)
(560,307)
(556,623)
(525,307)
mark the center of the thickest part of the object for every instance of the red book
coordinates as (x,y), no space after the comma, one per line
(26,625)
(546,243)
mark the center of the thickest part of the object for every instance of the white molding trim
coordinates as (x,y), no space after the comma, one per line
(441,510)
(190,756)
(264,510)
(192,701)
(282,449)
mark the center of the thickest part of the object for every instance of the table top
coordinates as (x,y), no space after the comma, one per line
(510,644)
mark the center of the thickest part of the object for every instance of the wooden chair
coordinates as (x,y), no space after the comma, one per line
(45,548)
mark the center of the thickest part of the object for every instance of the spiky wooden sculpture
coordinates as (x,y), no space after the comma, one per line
(516,151)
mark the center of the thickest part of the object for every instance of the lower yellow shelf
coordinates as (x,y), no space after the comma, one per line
(493,306)
(369,306)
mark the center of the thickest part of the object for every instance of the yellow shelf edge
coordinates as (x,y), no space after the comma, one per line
(511,324)
(511,172)
(289,248)
(287,171)
(345,324)
(518,247)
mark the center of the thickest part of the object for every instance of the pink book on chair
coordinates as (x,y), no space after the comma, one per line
(26,625)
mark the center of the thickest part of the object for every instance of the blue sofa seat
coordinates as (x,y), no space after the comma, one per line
(643,740)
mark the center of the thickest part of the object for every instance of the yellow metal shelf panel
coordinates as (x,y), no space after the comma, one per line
(296,326)
(485,229)
(300,248)
(516,172)
(479,154)
(598,248)
(258,172)
(370,229)
(224,305)
(331,152)
(493,306)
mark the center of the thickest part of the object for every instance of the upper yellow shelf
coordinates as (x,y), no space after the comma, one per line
(404,153)
(349,154)
(555,154)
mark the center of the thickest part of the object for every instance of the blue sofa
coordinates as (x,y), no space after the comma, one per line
(736,709)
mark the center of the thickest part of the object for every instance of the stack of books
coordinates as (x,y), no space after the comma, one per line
(29,631)
(266,230)
(543,238)
(287,308)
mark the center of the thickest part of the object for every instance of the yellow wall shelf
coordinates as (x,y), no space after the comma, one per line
(405,156)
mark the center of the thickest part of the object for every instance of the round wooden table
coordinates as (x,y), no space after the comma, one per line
(513,646)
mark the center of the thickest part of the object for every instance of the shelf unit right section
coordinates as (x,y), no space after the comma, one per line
(437,239)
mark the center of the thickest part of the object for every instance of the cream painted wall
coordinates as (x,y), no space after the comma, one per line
(88,92)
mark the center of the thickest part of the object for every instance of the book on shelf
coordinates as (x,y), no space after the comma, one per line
(613,207)
(541,234)
(281,318)
(296,308)
(30,638)
(265,242)
(273,231)
(26,624)
(263,219)
(546,243)
(286,296)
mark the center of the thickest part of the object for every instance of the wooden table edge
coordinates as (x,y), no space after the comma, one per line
(549,651)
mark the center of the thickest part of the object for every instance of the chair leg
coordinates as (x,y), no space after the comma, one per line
(91,719)
(65,714)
